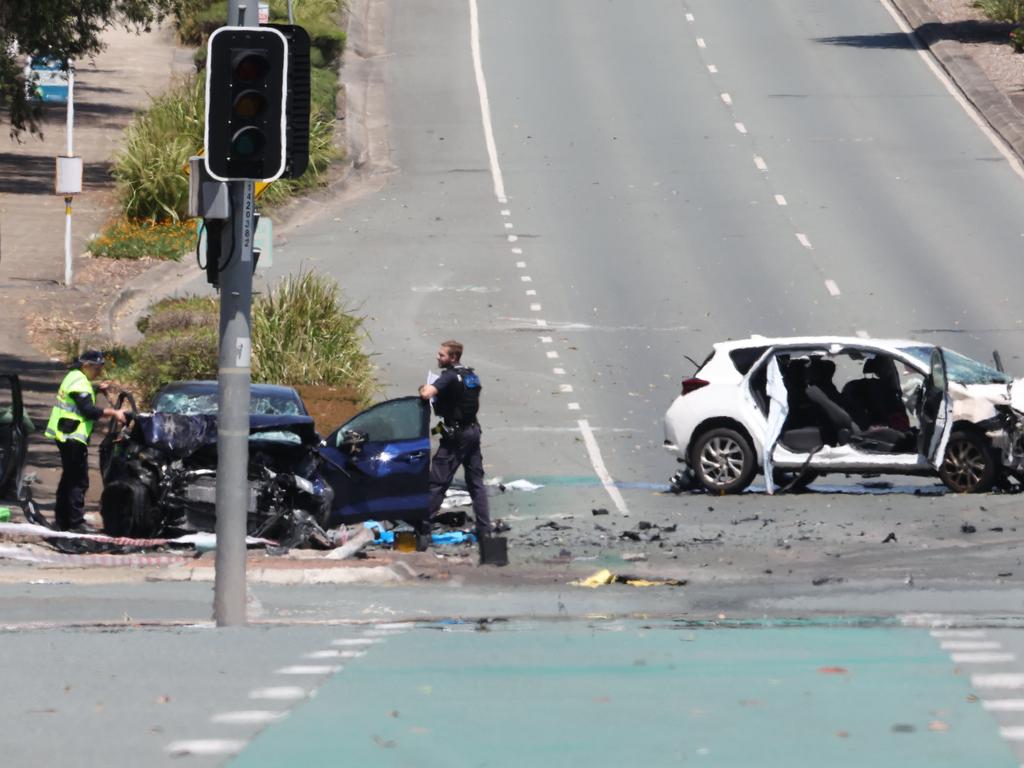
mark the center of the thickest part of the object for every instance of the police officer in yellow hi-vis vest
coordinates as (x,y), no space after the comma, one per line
(71,422)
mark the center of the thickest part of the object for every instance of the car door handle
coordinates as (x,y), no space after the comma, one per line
(410,457)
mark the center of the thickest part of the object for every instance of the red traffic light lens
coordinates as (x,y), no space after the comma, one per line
(249,104)
(251,66)
(247,143)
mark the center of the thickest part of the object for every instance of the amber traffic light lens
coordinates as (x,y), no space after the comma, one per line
(249,104)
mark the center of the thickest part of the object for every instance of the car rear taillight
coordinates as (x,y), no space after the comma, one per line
(692,384)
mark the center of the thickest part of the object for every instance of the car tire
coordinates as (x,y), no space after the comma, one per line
(969,465)
(127,509)
(723,460)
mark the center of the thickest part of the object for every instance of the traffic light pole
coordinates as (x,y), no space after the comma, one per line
(233,379)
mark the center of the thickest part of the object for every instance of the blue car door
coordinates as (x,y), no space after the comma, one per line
(378,463)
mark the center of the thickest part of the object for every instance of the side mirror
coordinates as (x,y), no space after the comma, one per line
(352,441)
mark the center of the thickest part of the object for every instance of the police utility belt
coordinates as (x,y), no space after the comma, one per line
(451,428)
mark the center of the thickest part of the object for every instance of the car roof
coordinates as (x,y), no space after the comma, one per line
(207,387)
(846,341)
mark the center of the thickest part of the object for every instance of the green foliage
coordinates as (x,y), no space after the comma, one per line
(149,170)
(180,343)
(144,238)
(1002,10)
(303,334)
(67,30)
(196,25)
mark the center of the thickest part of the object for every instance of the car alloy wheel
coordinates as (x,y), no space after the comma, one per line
(968,466)
(724,461)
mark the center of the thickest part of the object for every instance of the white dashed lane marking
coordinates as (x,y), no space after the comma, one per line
(279,693)
(759,163)
(558,371)
(354,641)
(574,406)
(1004,681)
(803,240)
(780,200)
(248,717)
(520,265)
(741,127)
(525,278)
(552,354)
(689,17)
(832,288)
(542,323)
(535,307)
(970,645)
(1004,705)
(982,657)
(712,69)
(308,669)
(205,747)
(701,43)
(513,238)
(727,98)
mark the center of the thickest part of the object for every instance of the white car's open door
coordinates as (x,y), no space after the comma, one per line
(935,411)
(778,410)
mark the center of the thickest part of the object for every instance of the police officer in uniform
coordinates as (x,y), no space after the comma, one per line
(71,423)
(456,396)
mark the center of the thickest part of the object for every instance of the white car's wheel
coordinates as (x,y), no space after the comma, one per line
(970,465)
(723,460)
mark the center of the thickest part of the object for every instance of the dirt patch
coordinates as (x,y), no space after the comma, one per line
(330,407)
(61,316)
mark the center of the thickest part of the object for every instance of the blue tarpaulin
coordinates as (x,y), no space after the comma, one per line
(451,537)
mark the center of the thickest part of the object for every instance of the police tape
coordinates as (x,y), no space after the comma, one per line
(201,541)
(57,558)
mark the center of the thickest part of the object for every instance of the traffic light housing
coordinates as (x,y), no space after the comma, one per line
(299,87)
(246,118)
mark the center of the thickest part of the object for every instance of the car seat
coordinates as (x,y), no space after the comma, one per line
(873,439)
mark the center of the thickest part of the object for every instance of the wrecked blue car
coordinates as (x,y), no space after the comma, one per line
(160,472)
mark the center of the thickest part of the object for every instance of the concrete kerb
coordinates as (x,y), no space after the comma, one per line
(375,575)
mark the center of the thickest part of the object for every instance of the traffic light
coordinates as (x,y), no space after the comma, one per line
(246,75)
(299,86)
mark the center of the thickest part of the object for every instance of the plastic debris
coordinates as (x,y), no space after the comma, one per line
(605,576)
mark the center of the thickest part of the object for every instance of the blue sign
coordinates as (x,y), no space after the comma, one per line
(47,80)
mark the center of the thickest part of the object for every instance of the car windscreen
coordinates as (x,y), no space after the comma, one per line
(960,368)
(205,403)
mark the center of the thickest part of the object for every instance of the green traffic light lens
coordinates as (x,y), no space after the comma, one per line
(249,104)
(248,142)
(251,66)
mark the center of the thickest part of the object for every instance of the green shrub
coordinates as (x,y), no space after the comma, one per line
(323,90)
(328,39)
(303,334)
(145,238)
(1002,10)
(149,170)
(196,21)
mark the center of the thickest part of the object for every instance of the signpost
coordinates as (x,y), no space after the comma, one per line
(69,178)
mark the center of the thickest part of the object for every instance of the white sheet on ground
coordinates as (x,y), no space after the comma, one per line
(778,410)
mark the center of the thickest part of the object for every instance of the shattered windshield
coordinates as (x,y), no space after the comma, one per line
(192,404)
(960,368)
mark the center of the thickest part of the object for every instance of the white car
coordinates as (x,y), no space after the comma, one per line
(797,408)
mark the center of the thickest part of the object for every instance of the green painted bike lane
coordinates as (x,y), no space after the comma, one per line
(629,693)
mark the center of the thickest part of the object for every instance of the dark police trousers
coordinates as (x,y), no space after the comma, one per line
(74,482)
(462,448)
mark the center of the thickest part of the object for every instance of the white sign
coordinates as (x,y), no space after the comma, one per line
(69,176)
(264,13)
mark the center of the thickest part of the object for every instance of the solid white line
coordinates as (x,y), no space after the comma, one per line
(780,200)
(205,747)
(1000,680)
(574,406)
(803,239)
(741,127)
(759,163)
(970,645)
(982,657)
(963,633)
(248,717)
(1003,705)
(602,471)
(727,98)
(279,693)
(308,669)
(701,43)
(833,289)
(997,141)
(485,107)
(1012,733)
(354,641)
(712,69)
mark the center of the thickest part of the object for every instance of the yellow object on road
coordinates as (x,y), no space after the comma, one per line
(604,576)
